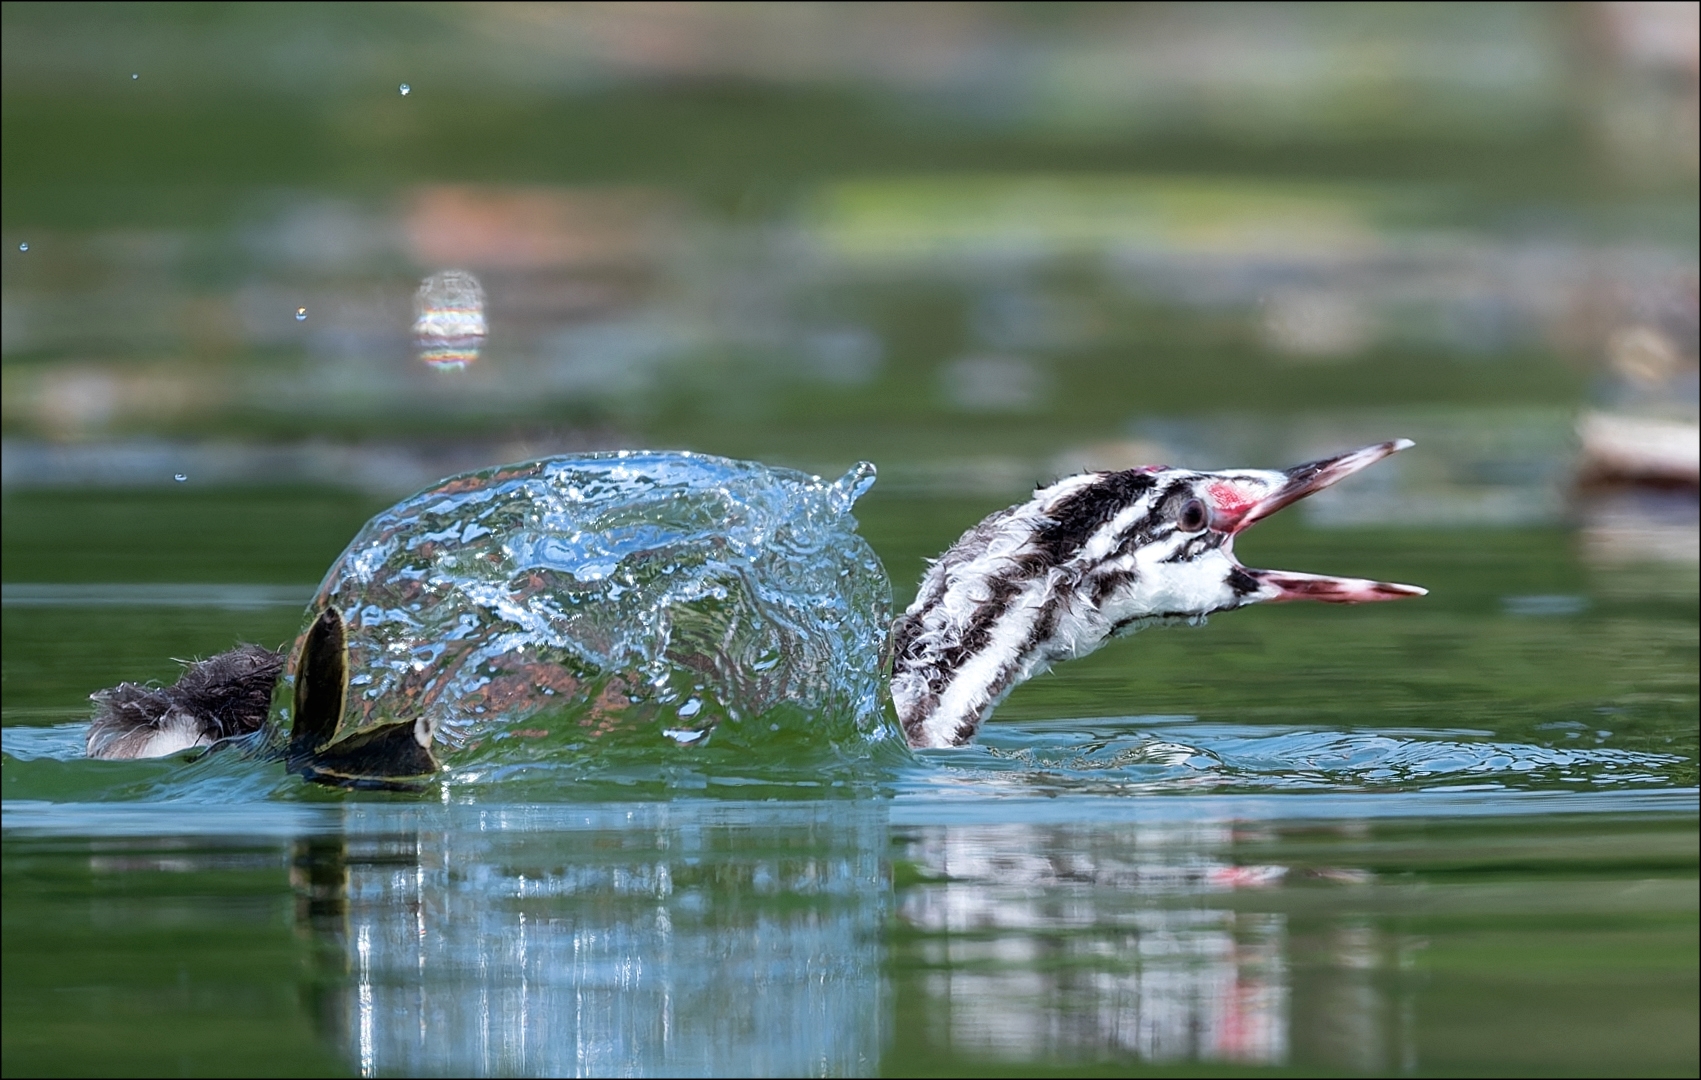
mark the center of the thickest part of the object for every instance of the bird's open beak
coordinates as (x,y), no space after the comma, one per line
(1234,514)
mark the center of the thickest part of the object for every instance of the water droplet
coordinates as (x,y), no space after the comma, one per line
(300,314)
(134,75)
(448,325)
(181,478)
(406,89)
(23,247)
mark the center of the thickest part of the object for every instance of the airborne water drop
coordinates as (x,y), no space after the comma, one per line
(300,314)
(406,89)
(181,477)
(449,325)
(23,247)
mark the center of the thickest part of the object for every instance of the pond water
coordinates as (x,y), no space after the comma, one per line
(1452,835)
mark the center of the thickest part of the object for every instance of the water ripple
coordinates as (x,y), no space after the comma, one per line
(1131,757)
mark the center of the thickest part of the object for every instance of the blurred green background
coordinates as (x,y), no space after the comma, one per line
(977,243)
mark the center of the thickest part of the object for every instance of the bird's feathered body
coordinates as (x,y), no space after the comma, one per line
(217,698)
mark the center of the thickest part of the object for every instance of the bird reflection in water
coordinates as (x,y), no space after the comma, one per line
(1078,944)
(1096,949)
(791,940)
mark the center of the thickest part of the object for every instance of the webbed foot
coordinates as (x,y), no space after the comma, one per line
(389,757)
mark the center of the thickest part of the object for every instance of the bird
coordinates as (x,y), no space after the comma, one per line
(1088,558)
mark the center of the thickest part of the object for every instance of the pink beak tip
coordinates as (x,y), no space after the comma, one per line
(1334,590)
(1391,591)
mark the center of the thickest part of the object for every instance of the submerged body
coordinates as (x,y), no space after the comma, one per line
(678,592)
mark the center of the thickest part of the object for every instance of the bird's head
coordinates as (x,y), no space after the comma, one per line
(1165,546)
(1087,558)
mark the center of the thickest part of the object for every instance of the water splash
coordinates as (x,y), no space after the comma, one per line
(589,613)
(449,325)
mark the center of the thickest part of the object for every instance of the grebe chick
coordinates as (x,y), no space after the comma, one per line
(1088,558)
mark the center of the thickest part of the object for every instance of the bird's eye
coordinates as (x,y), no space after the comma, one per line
(1192,517)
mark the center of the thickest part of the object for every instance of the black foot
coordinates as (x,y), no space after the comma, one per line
(386,758)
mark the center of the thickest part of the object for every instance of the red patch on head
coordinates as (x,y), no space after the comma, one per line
(1230,503)
(1151,468)
(1229,500)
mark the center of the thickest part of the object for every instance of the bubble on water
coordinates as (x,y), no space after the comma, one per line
(406,89)
(181,478)
(300,314)
(23,247)
(449,326)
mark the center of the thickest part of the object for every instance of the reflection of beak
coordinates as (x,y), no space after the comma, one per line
(1302,480)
